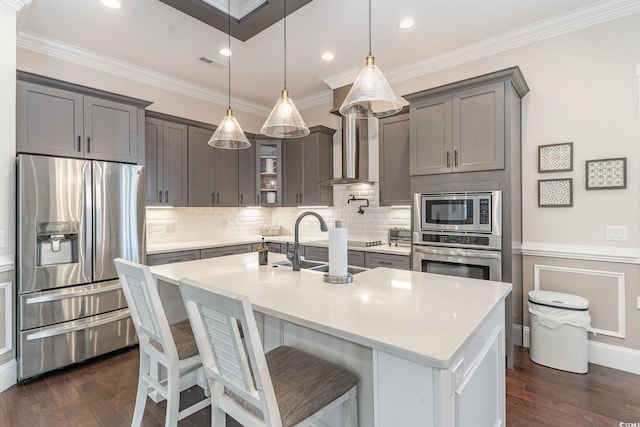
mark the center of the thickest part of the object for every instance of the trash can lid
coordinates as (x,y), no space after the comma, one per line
(558,299)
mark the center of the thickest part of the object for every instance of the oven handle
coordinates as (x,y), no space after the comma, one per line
(458,252)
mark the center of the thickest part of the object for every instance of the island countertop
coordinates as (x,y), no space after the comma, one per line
(427,318)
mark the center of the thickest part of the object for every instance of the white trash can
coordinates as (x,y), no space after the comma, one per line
(559,325)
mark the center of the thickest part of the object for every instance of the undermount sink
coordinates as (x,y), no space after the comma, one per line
(322,267)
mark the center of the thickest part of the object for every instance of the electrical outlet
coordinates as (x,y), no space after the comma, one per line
(457,375)
(617,232)
(3,239)
(638,303)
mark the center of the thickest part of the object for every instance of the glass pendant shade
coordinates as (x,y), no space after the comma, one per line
(285,121)
(371,95)
(229,134)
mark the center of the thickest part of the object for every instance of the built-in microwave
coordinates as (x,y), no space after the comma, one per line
(468,212)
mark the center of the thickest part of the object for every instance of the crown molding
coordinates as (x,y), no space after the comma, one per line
(87,58)
(315,100)
(17,4)
(572,21)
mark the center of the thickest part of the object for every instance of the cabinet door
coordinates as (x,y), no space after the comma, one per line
(201,192)
(49,121)
(225,177)
(247,176)
(292,158)
(224,251)
(317,163)
(478,123)
(171,257)
(175,164)
(269,172)
(431,140)
(110,130)
(373,260)
(154,149)
(393,137)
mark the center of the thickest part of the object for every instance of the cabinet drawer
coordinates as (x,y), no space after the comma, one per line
(224,251)
(316,253)
(355,258)
(276,248)
(373,260)
(171,257)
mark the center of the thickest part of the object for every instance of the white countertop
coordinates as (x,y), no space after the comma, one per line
(318,240)
(423,317)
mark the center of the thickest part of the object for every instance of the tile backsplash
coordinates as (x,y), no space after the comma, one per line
(184,224)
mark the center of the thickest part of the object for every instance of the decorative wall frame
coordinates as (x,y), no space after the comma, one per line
(555,157)
(555,193)
(606,174)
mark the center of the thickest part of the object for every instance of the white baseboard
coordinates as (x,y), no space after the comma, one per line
(611,356)
(8,374)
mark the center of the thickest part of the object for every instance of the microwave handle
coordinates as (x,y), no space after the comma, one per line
(459,252)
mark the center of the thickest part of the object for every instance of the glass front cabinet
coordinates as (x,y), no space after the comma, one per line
(269,168)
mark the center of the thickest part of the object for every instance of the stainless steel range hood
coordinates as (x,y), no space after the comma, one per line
(355,145)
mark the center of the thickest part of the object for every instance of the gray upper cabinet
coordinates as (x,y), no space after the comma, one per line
(247,195)
(393,133)
(213,173)
(57,120)
(459,131)
(166,162)
(308,161)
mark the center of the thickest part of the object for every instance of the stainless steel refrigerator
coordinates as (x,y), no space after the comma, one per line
(74,217)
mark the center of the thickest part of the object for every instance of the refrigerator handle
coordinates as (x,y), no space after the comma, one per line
(88,220)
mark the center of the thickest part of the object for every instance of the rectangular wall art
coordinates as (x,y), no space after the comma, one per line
(555,193)
(606,174)
(555,157)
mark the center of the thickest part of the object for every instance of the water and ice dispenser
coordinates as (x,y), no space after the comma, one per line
(57,243)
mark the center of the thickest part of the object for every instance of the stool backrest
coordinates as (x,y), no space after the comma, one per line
(140,290)
(215,315)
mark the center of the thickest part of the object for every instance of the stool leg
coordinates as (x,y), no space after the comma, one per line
(143,390)
(350,409)
(218,417)
(173,401)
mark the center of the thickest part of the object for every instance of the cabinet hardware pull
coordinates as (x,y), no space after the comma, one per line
(88,144)
(217,198)
(241,199)
(448,159)
(300,197)
(455,158)
(79,143)
(160,196)
(213,198)
(166,196)
(385,263)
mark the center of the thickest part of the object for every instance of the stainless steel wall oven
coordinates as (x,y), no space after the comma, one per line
(458,234)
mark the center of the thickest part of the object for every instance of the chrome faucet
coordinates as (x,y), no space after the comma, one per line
(295,256)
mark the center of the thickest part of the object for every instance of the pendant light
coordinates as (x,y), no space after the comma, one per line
(229,134)
(371,95)
(285,121)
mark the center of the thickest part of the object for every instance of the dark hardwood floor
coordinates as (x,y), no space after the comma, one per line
(102,393)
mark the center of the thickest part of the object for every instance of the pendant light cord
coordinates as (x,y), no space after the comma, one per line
(229,47)
(370,28)
(285,44)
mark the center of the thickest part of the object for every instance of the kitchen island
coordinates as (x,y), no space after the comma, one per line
(429,349)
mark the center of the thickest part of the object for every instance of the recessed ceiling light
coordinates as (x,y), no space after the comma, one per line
(113,4)
(406,23)
(328,56)
(225,52)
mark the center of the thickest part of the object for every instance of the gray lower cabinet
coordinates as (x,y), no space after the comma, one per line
(60,122)
(171,257)
(460,131)
(276,248)
(374,259)
(393,134)
(308,161)
(247,195)
(166,162)
(316,253)
(225,251)
(213,173)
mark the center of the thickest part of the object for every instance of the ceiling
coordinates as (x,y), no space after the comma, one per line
(147,39)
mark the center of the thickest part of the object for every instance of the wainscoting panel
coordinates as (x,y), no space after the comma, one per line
(605,291)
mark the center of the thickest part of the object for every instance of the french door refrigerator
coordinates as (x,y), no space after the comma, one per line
(74,217)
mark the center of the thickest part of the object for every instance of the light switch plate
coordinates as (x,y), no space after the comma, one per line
(638,303)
